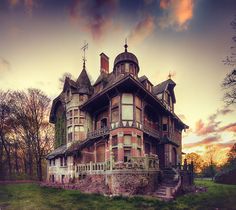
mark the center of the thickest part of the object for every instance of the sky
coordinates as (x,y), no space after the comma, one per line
(42,39)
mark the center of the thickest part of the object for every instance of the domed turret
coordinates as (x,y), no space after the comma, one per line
(126,63)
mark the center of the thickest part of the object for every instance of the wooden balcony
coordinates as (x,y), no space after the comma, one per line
(151,131)
(98,133)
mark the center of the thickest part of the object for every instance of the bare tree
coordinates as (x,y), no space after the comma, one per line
(4,132)
(229,82)
(31,111)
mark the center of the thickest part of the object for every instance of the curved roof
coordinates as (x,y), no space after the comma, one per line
(126,56)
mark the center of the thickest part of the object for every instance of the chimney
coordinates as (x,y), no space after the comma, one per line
(104,59)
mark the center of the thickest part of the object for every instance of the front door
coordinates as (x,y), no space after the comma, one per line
(100,152)
(174,157)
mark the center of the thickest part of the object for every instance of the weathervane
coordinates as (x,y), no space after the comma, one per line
(126,46)
(171,75)
(85,47)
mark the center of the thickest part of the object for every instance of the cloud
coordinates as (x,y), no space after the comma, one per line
(148,2)
(28,4)
(4,65)
(13,3)
(230,127)
(223,111)
(142,30)
(177,13)
(202,129)
(204,142)
(212,125)
(95,16)
(226,145)
(164,4)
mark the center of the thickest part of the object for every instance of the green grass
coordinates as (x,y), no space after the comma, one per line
(33,197)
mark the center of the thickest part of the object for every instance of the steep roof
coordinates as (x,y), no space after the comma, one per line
(83,79)
(143,78)
(58,151)
(101,78)
(163,86)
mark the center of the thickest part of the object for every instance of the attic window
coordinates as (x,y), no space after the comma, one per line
(81,98)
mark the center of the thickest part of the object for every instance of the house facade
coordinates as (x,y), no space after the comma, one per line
(122,127)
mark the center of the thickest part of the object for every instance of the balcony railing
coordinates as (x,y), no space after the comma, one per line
(151,131)
(104,131)
(97,133)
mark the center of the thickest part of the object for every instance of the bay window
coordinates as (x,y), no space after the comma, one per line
(127,107)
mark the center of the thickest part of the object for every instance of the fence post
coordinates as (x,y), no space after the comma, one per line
(90,165)
(111,160)
(146,163)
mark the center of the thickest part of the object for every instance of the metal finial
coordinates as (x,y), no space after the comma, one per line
(169,76)
(126,46)
(84,48)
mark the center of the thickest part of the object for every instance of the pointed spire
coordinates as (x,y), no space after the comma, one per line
(126,46)
(84,48)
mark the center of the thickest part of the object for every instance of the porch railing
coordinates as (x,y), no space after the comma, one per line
(150,163)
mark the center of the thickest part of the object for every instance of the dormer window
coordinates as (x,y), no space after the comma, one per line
(81,98)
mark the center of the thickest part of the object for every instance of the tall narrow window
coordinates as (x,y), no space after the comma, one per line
(115,115)
(139,141)
(65,161)
(127,106)
(61,161)
(76,128)
(127,155)
(69,133)
(76,112)
(127,140)
(126,68)
(115,154)
(114,141)
(164,127)
(138,114)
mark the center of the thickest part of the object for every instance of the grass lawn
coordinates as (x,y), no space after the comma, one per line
(33,197)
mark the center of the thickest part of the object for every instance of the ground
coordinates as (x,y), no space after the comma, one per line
(32,196)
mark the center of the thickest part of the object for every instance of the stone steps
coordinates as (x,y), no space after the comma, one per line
(164,190)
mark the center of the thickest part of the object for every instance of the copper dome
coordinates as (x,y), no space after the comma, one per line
(126,56)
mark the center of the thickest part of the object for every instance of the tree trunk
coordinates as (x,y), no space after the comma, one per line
(1,161)
(16,159)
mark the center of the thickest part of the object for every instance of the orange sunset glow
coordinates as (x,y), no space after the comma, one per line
(41,40)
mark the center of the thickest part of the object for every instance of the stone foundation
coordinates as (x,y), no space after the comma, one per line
(117,183)
(132,183)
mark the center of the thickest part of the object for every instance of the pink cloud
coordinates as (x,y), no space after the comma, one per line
(94,16)
(142,30)
(177,13)
(203,142)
